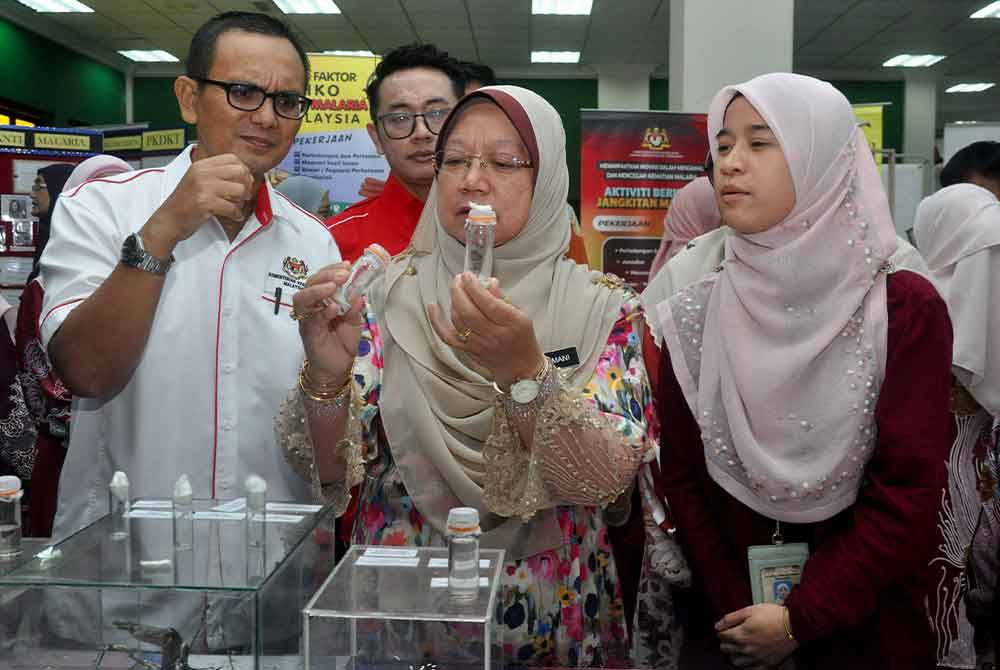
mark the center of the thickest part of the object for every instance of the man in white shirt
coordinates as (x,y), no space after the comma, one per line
(168,291)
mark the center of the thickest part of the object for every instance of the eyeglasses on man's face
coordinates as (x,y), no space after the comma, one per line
(400,125)
(457,163)
(250,98)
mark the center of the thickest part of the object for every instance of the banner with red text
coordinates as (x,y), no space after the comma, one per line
(632,164)
(333,144)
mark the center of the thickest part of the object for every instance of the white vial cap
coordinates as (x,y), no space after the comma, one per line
(183,493)
(463,520)
(9,485)
(119,481)
(379,252)
(481,213)
(256,490)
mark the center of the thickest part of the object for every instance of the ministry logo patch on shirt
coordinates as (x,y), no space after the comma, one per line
(295,268)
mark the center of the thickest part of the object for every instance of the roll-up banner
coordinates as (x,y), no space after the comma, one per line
(870,119)
(632,164)
(333,145)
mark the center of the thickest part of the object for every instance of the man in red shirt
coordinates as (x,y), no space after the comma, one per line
(410,95)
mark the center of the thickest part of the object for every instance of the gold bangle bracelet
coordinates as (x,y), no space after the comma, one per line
(324,394)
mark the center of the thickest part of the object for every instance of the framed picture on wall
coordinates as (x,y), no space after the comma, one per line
(15,207)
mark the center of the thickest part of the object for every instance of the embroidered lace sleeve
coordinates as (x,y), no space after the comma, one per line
(587,445)
(293,433)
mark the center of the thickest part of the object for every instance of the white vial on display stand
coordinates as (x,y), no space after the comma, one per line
(480,234)
(365,270)
(118,505)
(463,553)
(10,517)
(256,493)
(183,514)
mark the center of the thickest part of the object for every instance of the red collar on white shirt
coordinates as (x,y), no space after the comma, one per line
(263,208)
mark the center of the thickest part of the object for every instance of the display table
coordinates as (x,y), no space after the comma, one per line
(91,601)
(388,607)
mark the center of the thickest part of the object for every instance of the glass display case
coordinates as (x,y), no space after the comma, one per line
(391,608)
(99,599)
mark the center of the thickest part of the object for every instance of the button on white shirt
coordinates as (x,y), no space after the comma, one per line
(221,356)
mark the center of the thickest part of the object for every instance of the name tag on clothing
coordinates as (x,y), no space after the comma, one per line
(775,569)
(564,358)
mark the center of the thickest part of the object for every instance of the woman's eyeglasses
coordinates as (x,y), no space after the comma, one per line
(458,163)
(250,98)
(400,125)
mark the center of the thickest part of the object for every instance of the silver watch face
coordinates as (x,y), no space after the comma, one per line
(131,251)
(524,391)
(133,255)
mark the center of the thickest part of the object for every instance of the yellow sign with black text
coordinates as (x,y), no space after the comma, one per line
(163,140)
(123,143)
(10,138)
(62,142)
(337,89)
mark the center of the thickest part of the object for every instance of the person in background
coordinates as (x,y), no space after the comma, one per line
(958,231)
(978,163)
(786,396)
(48,185)
(459,404)
(96,167)
(410,94)
(692,212)
(475,75)
(168,291)
(47,398)
(308,193)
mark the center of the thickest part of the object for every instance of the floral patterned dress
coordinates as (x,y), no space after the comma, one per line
(561,607)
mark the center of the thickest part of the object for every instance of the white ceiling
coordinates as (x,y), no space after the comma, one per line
(837,39)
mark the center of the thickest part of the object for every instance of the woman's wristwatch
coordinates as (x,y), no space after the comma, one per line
(524,396)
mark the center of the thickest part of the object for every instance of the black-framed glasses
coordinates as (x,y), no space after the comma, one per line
(249,98)
(400,125)
(458,163)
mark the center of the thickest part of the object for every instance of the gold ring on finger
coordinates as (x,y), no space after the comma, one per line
(463,335)
(299,316)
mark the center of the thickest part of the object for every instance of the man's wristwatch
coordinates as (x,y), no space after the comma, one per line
(134,255)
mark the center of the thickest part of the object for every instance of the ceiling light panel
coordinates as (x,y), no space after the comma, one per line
(565,7)
(56,6)
(555,56)
(308,6)
(150,56)
(970,88)
(913,60)
(990,11)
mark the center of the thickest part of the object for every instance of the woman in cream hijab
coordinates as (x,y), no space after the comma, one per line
(788,385)
(426,365)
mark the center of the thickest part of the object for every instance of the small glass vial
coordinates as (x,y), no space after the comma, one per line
(10,517)
(256,493)
(480,233)
(118,503)
(463,553)
(183,514)
(365,270)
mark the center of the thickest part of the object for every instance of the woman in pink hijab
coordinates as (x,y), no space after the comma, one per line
(693,212)
(791,428)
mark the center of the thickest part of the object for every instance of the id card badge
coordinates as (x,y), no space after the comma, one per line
(775,569)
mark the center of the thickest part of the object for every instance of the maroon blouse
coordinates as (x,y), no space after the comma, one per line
(860,603)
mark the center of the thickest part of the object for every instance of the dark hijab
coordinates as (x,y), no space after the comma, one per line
(55,177)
